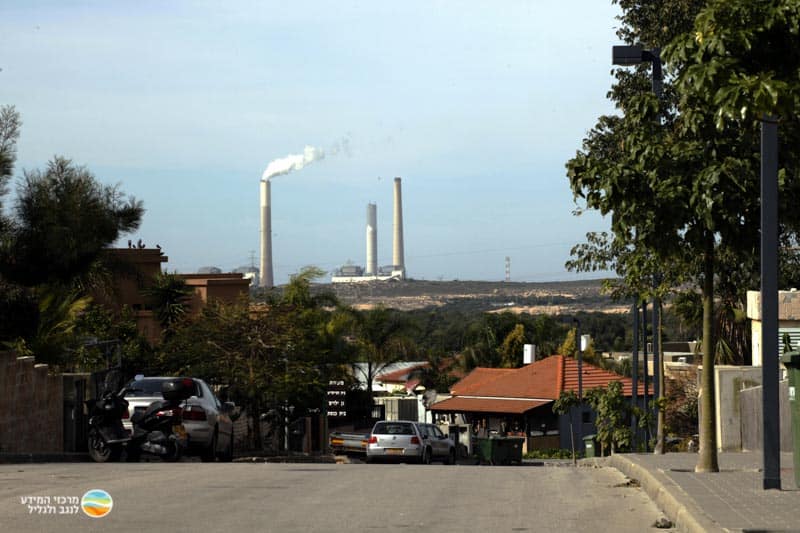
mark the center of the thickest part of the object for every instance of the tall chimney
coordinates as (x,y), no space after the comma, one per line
(397,248)
(265,271)
(372,240)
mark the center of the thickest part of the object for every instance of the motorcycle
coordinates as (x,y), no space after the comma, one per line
(158,430)
(106,436)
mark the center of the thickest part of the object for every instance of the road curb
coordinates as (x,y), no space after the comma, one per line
(668,496)
(22,458)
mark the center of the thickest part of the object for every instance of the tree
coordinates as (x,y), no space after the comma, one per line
(10,125)
(613,415)
(59,224)
(382,338)
(169,298)
(739,64)
(62,221)
(564,405)
(513,346)
(681,185)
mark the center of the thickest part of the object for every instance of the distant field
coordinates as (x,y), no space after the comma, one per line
(535,298)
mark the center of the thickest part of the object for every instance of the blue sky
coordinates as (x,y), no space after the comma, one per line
(476,105)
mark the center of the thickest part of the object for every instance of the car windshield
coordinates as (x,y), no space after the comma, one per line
(386,428)
(144,388)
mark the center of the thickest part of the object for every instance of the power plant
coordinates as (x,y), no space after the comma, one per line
(347,273)
(395,271)
(265,278)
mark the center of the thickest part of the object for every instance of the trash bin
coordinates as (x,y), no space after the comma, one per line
(792,362)
(589,445)
(500,450)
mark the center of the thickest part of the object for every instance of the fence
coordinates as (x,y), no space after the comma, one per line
(750,403)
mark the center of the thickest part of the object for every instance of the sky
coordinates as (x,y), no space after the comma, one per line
(476,105)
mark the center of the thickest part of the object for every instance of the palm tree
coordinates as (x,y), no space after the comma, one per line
(169,298)
(381,336)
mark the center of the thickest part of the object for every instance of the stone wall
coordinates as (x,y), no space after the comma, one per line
(31,406)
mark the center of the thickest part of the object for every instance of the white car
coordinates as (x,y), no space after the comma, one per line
(207,420)
(406,440)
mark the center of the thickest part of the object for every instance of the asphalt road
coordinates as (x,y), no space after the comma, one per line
(239,497)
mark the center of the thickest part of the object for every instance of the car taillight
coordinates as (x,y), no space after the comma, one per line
(194,413)
(373,439)
(126,414)
(175,411)
(414,440)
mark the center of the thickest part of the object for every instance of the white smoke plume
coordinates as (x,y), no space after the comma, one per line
(290,163)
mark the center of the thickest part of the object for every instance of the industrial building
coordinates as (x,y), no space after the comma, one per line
(397,270)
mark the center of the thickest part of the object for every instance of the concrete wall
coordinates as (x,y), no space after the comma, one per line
(752,427)
(730,381)
(31,407)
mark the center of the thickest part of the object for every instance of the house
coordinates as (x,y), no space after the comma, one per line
(134,271)
(519,401)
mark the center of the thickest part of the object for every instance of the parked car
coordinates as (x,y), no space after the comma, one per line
(404,440)
(207,420)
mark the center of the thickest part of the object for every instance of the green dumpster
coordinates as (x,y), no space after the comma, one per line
(589,445)
(791,361)
(500,450)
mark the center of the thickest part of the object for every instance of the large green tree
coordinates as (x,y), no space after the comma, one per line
(739,64)
(51,237)
(62,220)
(680,185)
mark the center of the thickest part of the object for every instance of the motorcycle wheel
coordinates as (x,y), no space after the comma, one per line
(99,451)
(173,452)
(133,454)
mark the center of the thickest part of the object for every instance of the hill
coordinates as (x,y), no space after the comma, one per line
(488,296)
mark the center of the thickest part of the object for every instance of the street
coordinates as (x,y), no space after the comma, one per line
(321,497)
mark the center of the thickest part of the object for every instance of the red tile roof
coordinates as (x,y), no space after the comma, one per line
(459,404)
(399,376)
(542,380)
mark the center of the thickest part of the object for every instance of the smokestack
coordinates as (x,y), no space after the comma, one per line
(266,237)
(397,248)
(372,240)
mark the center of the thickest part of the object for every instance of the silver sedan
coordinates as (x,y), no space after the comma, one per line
(405,440)
(207,420)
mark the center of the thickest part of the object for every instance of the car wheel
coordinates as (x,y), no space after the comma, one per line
(451,457)
(227,455)
(426,457)
(99,451)
(210,453)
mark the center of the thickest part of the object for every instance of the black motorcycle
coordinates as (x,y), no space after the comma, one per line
(158,430)
(106,436)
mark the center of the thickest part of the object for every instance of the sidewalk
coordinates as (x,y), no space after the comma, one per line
(731,500)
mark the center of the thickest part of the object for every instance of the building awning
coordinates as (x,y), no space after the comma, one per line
(461,404)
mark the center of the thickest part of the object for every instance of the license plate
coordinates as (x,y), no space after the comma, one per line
(394,451)
(179,431)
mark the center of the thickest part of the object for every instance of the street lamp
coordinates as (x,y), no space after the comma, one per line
(631,55)
(577,324)
(626,56)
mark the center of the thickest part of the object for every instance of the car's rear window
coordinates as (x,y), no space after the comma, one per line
(393,428)
(145,388)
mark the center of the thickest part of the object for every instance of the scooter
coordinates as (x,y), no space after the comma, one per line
(158,430)
(106,436)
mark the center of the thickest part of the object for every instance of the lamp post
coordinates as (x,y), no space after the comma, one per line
(769,304)
(632,55)
(577,323)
